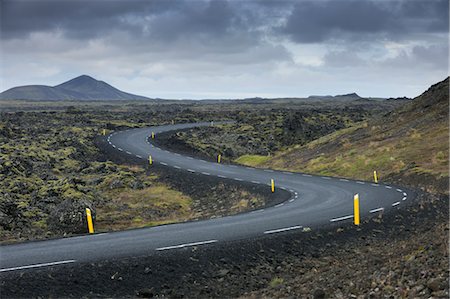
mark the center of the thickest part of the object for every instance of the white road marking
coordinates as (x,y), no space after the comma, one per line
(206,173)
(256,211)
(376,210)
(256,182)
(362,183)
(268,170)
(285,172)
(396,203)
(343,180)
(388,187)
(291,190)
(163,163)
(404,194)
(404,198)
(238,179)
(129,153)
(279,205)
(248,167)
(114,146)
(177,154)
(191,170)
(375,185)
(282,229)
(325,178)
(234,166)
(190,158)
(37,265)
(307,175)
(222,176)
(186,245)
(341,218)
(120,149)
(140,157)
(291,200)
(177,167)
(399,190)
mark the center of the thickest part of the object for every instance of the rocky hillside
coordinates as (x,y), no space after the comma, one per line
(409,145)
(80,88)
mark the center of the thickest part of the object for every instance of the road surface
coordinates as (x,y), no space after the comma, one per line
(314,201)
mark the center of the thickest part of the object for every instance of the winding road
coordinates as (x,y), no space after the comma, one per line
(315,201)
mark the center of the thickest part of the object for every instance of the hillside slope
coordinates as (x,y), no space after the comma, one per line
(409,145)
(80,88)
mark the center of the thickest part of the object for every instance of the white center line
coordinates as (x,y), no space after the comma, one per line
(285,172)
(307,175)
(404,198)
(404,194)
(388,187)
(279,205)
(206,173)
(177,167)
(282,229)
(358,182)
(129,153)
(326,178)
(222,176)
(37,265)
(163,163)
(140,157)
(120,149)
(375,185)
(343,180)
(256,182)
(341,218)
(190,158)
(238,179)
(396,203)
(186,245)
(376,210)
(113,146)
(256,211)
(399,190)
(291,200)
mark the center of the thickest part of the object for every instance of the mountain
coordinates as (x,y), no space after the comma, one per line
(80,88)
(408,145)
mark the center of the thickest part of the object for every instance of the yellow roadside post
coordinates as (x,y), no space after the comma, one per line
(104,132)
(375,176)
(89,221)
(153,135)
(219,157)
(272,184)
(356,209)
(150,160)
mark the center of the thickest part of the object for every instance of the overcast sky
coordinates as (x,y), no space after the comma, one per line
(228,49)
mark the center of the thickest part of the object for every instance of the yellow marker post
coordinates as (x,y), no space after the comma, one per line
(153,135)
(375,176)
(219,157)
(104,132)
(89,221)
(356,209)
(150,160)
(272,183)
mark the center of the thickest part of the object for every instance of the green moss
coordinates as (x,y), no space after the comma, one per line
(252,160)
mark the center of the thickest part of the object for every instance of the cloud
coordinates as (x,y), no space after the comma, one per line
(319,21)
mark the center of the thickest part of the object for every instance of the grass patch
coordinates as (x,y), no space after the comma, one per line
(252,160)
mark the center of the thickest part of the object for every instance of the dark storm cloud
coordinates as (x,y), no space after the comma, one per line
(318,21)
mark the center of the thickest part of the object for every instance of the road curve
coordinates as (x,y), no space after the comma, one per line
(315,201)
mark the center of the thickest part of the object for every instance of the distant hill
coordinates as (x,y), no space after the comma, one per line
(83,88)
(349,96)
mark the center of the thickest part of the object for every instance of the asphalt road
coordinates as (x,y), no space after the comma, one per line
(315,201)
